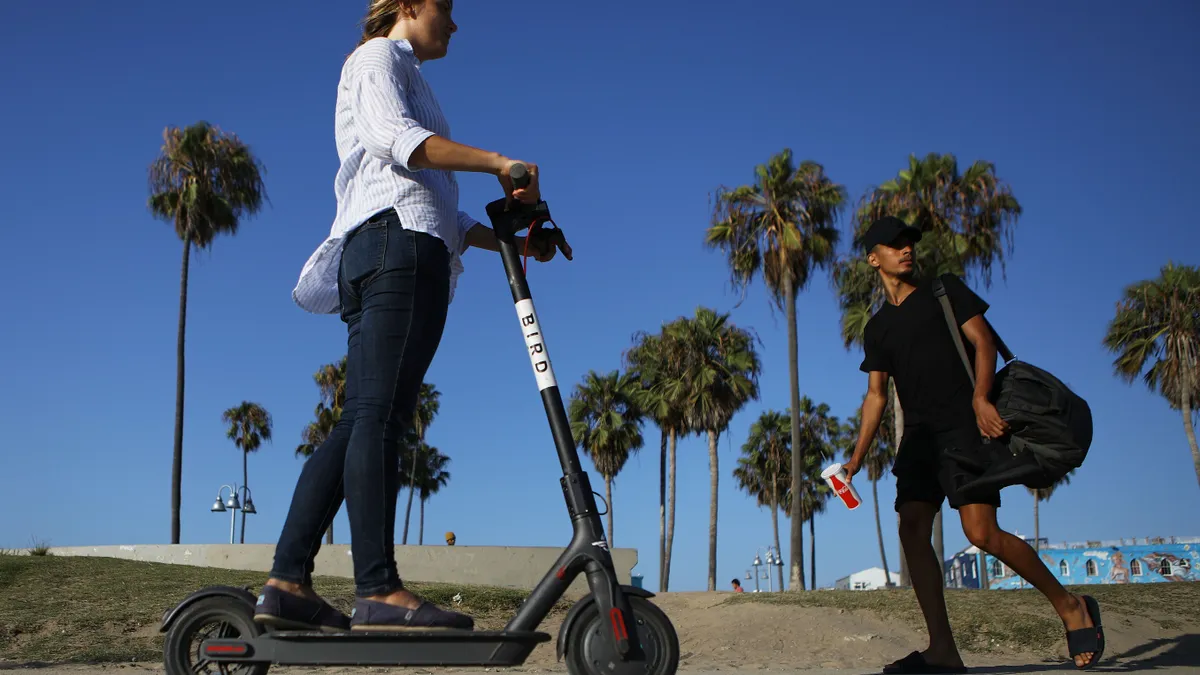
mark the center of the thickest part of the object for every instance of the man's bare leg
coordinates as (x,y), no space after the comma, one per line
(925,572)
(980,526)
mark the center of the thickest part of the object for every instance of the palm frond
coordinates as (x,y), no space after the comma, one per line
(1155,334)
(204,181)
(249,425)
(781,226)
(606,419)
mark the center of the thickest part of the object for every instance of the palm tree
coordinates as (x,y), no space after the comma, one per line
(433,477)
(720,370)
(660,399)
(1157,324)
(606,423)
(971,215)
(764,470)
(203,181)
(813,504)
(428,404)
(317,431)
(331,382)
(784,226)
(880,455)
(819,437)
(249,425)
(967,218)
(1043,495)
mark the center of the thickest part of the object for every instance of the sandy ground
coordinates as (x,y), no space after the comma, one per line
(753,638)
(1036,669)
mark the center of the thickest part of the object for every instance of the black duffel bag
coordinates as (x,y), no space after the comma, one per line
(1050,426)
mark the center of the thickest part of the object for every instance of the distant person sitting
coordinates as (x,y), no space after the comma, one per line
(450,539)
(737,586)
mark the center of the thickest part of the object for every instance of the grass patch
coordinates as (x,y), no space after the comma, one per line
(59,609)
(985,621)
(62,609)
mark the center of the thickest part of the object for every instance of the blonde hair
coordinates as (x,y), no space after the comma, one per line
(382,15)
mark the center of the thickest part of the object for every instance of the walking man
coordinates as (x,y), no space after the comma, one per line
(907,339)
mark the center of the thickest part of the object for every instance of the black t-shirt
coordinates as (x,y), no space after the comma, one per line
(912,343)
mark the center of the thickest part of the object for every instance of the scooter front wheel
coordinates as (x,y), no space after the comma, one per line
(208,618)
(590,651)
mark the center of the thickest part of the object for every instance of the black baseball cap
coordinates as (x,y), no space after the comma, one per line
(886,230)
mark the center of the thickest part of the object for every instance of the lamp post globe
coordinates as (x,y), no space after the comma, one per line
(233,505)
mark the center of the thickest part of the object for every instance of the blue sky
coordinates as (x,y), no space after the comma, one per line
(635,115)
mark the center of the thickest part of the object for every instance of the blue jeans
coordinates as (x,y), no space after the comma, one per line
(394,288)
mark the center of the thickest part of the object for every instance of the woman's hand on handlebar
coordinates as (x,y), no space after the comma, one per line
(530,194)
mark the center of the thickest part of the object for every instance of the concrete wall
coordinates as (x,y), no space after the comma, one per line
(511,566)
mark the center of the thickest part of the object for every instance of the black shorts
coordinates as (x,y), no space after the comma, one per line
(924,473)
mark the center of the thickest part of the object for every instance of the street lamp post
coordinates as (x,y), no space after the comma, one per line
(773,560)
(233,505)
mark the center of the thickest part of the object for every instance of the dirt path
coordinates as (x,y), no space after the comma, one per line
(756,637)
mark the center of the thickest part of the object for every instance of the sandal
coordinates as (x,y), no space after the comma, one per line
(915,663)
(1088,640)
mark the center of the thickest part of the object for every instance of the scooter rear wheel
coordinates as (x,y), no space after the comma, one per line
(589,649)
(212,617)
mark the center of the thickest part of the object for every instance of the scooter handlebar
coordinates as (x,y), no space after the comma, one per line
(519,174)
(518,216)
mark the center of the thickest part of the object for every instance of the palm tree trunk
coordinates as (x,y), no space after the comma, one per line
(412,488)
(329,534)
(775,527)
(797,581)
(608,498)
(421,531)
(812,549)
(712,509)
(666,584)
(797,523)
(245,484)
(938,545)
(898,433)
(1037,525)
(887,573)
(177,457)
(662,511)
(1190,430)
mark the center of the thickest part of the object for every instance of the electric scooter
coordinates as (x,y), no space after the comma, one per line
(614,630)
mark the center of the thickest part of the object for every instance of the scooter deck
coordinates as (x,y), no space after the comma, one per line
(394,648)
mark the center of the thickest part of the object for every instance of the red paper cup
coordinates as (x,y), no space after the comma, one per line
(835,478)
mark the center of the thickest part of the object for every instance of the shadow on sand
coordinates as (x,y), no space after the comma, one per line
(1176,652)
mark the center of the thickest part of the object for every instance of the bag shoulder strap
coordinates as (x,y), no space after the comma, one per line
(939,291)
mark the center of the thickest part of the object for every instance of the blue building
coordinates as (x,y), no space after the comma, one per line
(1124,561)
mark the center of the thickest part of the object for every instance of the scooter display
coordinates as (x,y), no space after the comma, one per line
(613,630)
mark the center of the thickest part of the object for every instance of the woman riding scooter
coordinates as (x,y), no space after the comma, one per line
(388,267)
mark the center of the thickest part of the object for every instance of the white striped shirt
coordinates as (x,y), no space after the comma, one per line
(385,109)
